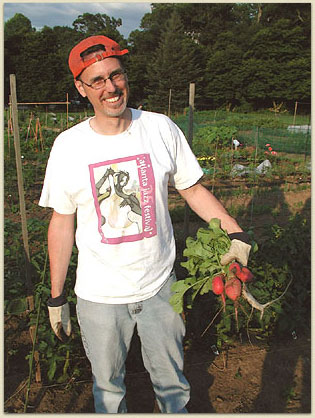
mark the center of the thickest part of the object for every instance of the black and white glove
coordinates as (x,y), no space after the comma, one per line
(239,249)
(59,316)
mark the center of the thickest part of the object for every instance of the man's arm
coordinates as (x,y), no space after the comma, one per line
(60,244)
(207,206)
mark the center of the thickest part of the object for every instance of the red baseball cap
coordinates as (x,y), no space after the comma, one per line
(76,62)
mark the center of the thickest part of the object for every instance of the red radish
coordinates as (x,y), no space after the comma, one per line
(217,284)
(245,275)
(242,273)
(233,288)
(235,268)
(218,287)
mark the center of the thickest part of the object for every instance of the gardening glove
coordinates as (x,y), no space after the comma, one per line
(239,249)
(59,316)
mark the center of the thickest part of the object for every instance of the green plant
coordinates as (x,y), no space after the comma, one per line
(208,138)
(287,253)
(203,262)
(14,260)
(238,374)
(55,356)
(289,393)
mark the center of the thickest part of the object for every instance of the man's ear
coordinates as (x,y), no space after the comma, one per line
(80,88)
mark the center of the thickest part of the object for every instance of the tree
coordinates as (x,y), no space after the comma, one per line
(236,53)
(205,21)
(65,39)
(40,58)
(270,65)
(40,70)
(278,41)
(137,67)
(153,23)
(173,66)
(17,26)
(256,61)
(98,24)
(16,32)
(224,75)
(297,13)
(142,45)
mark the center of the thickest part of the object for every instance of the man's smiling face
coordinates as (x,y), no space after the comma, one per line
(110,100)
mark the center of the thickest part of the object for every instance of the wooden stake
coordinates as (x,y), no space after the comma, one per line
(169,103)
(10,129)
(255,162)
(9,137)
(191,112)
(67,110)
(189,139)
(40,135)
(215,165)
(38,375)
(29,125)
(29,284)
(16,135)
(36,131)
(295,111)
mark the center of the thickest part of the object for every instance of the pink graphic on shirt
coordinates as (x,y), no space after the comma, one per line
(124,197)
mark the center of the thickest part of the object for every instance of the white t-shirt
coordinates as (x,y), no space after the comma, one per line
(118,184)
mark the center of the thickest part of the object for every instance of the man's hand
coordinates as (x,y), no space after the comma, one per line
(59,316)
(239,250)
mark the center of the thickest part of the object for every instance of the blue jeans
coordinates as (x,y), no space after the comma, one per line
(107,330)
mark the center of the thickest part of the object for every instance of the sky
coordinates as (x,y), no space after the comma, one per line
(63,14)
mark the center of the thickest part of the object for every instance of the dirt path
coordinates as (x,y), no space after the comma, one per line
(245,378)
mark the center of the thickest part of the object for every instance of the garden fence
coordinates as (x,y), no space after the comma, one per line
(293,140)
(282,140)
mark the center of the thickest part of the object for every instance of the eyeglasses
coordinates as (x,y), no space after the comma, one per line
(114,77)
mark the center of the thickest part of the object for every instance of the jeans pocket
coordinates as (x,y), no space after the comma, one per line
(171,280)
(165,292)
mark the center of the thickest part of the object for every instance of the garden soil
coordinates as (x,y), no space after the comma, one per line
(248,376)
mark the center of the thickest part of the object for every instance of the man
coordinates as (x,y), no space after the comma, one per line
(112,172)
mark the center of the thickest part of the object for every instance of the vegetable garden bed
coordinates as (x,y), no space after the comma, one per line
(262,367)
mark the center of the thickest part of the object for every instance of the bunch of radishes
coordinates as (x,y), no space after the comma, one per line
(230,284)
(206,272)
(233,285)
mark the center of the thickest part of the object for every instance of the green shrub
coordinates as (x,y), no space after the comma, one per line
(208,138)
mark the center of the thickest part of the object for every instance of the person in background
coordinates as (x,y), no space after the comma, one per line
(109,176)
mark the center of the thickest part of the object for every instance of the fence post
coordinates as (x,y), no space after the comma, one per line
(307,137)
(295,111)
(255,163)
(189,138)
(28,270)
(191,112)
(169,103)
(67,111)
(16,136)
(10,128)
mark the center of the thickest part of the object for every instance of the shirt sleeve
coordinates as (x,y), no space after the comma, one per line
(55,192)
(187,170)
